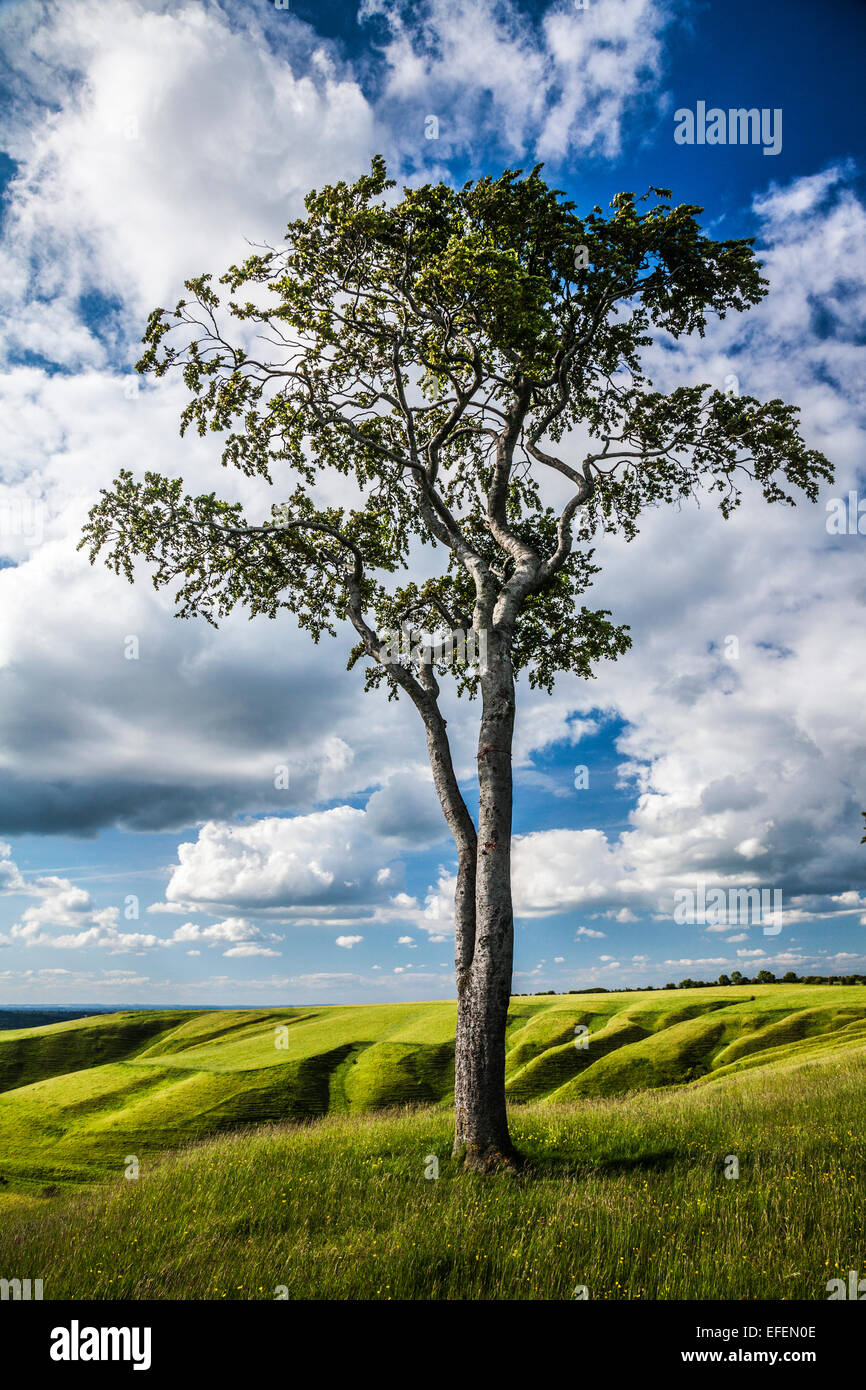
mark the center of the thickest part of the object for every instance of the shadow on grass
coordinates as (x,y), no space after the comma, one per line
(552,1167)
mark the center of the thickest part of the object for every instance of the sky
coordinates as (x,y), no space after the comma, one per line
(149,849)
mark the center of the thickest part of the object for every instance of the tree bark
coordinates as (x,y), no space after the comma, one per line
(484,983)
(483,915)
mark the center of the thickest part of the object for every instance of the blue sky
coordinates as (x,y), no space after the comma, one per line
(147,855)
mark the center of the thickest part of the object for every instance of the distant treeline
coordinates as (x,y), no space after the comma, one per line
(763,977)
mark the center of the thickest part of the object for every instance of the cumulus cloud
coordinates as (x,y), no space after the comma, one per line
(558,86)
(322,861)
(406,812)
(140,170)
(10,878)
(745,771)
(232,929)
(63,915)
(742,771)
(107,213)
(249,948)
(239,935)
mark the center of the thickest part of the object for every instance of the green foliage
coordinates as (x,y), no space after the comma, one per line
(431,350)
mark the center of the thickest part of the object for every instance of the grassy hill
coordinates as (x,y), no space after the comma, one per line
(624,1195)
(627,1139)
(77,1098)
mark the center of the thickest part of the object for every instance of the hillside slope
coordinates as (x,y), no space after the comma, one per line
(79,1098)
(630,1196)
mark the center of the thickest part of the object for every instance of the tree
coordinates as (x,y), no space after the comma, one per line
(737,978)
(765,977)
(434,351)
(724,980)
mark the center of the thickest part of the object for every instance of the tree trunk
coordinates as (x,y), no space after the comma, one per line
(484,983)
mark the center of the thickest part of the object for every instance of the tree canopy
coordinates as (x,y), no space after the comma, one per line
(435,350)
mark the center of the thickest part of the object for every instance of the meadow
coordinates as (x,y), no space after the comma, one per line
(291,1152)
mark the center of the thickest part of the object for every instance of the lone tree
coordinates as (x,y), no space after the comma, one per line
(436,351)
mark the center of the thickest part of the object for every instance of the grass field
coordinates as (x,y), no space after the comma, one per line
(266,1168)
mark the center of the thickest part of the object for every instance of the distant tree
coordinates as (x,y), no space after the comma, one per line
(670,985)
(724,980)
(765,977)
(789,978)
(737,978)
(430,354)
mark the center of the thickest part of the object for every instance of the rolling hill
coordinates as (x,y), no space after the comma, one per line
(78,1098)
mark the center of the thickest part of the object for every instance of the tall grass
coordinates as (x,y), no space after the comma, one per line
(626,1196)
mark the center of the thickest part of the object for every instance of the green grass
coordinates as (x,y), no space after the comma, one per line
(32,1054)
(77,1098)
(626,1195)
(303,1166)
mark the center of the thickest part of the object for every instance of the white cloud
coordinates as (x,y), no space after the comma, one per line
(240,935)
(349,941)
(232,929)
(62,904)
(737,765)
(740,769)
(112,198)
(406,813)
(751,849)
(558,869)
(250,949)
(10,878)
(74,983)
(163,740)
(711,960)
(317,861)
(557,89)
